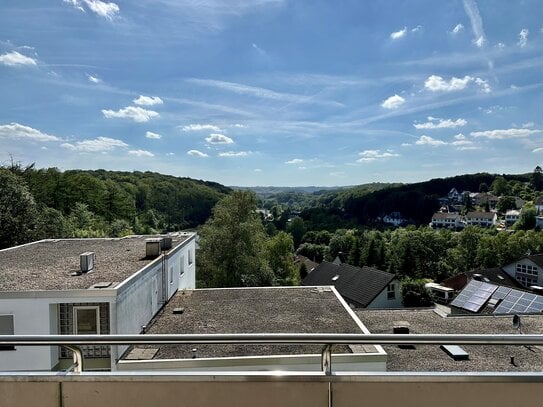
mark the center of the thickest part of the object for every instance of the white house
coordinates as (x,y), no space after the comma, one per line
(528,271)
(394,218)
(87,286)
(446,220)
(484,219)
(511,216)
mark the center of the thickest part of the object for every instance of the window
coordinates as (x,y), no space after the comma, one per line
(182,266)
(6,328)
(86,320)
(190,257)
(391,291)
(171,275)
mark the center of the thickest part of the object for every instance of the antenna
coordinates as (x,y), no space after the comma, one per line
(516,323)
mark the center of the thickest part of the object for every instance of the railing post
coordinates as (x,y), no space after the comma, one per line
(78,358)
(326,360)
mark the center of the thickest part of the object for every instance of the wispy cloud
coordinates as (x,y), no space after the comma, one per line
(93,78)
(429,141)
(505,133)
(396,35)
(523,37)
(216,138)
(235,154)
(437,123)
(476,22)
(373,155)
(97,145)
(141,153)
(101,8)
(22,132)
(148,100)
(198,127)
(135,113)
(393,102)
(196,153)
(15,59)
(462,143)
(294,161)
(152,135)
(458,28)
(437,83)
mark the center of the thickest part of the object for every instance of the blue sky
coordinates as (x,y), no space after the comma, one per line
(274,92)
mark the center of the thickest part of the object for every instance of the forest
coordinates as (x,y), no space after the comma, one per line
(49,203)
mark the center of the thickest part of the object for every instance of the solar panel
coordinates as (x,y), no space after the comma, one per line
(501,293)
(474,296)
(520,302)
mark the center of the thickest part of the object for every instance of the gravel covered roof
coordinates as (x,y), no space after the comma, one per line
(254,310)
(432,358)
(48,264)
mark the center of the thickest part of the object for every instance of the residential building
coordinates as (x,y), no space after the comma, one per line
(528,271)
(484,199)
(539,204)
(511,217)
(88,286)
(394,218)
(446,220)
(454,196)
(254,311)
(484,219)
(365,287)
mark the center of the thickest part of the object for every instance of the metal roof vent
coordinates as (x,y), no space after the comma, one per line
(152,247)
(166,243)
(478,277)
(86,262)
(455,352)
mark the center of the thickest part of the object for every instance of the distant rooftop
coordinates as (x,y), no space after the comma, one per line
(431,358)
(48,264)
(250,310)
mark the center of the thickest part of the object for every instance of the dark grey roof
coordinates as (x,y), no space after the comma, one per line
(537,259)
(495,275)
(251,310)
(482,215)
(359,285)
(48,264)
(432,358)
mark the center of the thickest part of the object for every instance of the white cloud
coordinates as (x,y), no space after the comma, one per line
(152,135)
(393,102)
(500,45)
(93,78)
(235,154)
(416,29)
(458,28)
(100,144)
(148,100)
(239,126)
(20,131)
(462,143)
(429,141)
(103,9)
(141,153)
(373,155)
(294,161)
(135,113)
(436,83)
(170,154)
(523,37)
(505,134)
(14,58)
(258,170)
(436,123)
(216,138)
(528,125)
(398,34)
(196,153)
(198,127)
(476,22)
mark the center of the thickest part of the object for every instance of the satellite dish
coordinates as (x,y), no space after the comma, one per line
(516,322)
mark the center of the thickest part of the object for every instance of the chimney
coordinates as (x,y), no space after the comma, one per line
(152,247)
(86,262)
(166,243)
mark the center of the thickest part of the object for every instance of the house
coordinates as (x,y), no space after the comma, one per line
(365,287)
(474,358)
(254,311)
(394,218)
(539,204)
(309,264)
(454,196)
(485,198)
(511,217)
(484,219)
(88,286)
(528,271)
(446,220)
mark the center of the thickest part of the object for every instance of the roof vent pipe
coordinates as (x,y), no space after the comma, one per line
(86,262)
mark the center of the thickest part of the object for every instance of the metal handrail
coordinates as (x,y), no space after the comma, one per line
(72,342)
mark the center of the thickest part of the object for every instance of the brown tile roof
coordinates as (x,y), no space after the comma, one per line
(48,264)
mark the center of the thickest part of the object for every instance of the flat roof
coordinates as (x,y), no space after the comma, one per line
(482,358)
(48,264)
(250,310)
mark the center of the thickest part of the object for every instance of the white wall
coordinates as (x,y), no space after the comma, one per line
(382,301)
(512,267)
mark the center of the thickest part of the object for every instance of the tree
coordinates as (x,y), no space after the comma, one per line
(500,186)
(527,219)
(18,214)
(280,255)
(296,227)
(415,294)
(232,245)
(537,178)
(505,203)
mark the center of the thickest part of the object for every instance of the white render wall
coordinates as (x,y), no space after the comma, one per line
(512,268)
(382,301)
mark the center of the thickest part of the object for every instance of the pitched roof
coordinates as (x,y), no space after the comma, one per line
(539,201)
(444,215)
(484,215)
(537,259)
(360,285)
(495,275)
